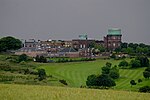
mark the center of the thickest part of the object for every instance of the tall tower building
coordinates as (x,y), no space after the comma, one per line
(113,39)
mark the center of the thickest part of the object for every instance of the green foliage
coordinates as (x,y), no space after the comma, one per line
(22,57)
(92,80)
(106,81)
(144,61)
(145,89)
(139,80)
(146,74)
(9,43)
(132,82)
(123,64)
(135,63)
(105,70)
(63,82)
(41,74)
(114,74)
(41,59)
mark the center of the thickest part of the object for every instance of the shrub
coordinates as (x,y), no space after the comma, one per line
(139,80)
(123,64)
(135,63)
(23,57)
(63,82)
(145,89)
(41,74)
(132,82)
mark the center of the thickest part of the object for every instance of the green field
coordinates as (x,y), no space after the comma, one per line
(33,92)
(76,73)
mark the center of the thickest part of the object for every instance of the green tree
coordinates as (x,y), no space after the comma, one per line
(146,74)
(124,45)
(123,64)
(135,63)
(132,82)
(9,43)
(114,73)
(139,80)
(41,74)
(105,81)
(145,89)
(144,61)
(91,80)
(22,57)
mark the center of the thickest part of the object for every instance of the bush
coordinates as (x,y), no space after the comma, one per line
(41,74)
(145,89)
(132,82)
(123,64)
(139,80)
(22,57)
(135,63)
(63,82)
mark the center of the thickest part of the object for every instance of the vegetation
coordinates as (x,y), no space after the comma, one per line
(9,43)
(146,73)
(132,82)
(145,89)
(30,92)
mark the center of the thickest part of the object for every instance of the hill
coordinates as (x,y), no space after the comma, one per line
(30,92)
(76,73)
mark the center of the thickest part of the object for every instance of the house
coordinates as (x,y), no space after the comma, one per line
(68,52)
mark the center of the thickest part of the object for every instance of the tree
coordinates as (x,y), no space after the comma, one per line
(105,81)
(22,57)
(91,80)
(123,64)
(144,61)
(135,63)
(9,43)
(145,89)
(146,74)
(124,45)
(41,74)
(114,73)
(139,80)
(132,82)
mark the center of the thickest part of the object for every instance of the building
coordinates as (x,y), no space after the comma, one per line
(113,39)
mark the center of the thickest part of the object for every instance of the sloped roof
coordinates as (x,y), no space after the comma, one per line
(68,50)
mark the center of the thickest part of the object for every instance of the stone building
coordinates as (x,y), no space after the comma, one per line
(113,39)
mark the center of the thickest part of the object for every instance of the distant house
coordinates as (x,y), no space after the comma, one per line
(68,52)
(33,52)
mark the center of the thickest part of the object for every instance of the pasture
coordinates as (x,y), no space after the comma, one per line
(35,92)
(76,73)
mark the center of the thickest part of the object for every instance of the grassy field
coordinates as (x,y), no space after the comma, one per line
(29,92)
(76,73)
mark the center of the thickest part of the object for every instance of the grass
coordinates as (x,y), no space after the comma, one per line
(30,92)
(76,73)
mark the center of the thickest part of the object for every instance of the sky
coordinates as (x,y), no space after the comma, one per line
(66,19)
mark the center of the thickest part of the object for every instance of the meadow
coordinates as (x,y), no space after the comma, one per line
(35,92)
(76,73)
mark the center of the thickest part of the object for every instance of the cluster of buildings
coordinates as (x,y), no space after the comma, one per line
(73,48)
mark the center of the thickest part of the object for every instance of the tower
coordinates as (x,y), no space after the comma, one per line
(113,39)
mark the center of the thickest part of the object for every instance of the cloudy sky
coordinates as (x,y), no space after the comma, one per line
(66,19)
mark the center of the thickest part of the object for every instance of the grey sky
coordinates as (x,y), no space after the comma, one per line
(66,19)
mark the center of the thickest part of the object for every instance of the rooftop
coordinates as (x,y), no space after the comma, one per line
(114,31)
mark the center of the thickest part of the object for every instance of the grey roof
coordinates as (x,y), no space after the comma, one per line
(27,49)
(68,50)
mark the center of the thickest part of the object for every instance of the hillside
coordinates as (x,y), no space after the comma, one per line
(76,73)
(29,92)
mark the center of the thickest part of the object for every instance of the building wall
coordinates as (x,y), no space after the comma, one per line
(112,41)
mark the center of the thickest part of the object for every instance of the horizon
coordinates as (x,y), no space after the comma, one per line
(67,19)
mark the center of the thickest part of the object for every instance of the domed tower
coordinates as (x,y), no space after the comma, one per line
(113,39)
